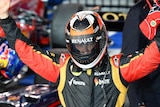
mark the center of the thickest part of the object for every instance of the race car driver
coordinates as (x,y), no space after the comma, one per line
(87,76)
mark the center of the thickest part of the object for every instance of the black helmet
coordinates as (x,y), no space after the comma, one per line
(86,38)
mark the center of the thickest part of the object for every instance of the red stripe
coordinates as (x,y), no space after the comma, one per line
(55,104)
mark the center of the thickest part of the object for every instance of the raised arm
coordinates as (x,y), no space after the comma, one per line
(39,60)
(148,61)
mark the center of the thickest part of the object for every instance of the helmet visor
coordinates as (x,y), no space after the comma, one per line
(84,49)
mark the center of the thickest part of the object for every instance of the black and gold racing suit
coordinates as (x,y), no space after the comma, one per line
(102,86)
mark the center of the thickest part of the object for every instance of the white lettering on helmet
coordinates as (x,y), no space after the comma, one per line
(83,40)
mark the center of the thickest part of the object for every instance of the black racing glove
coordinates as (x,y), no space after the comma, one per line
(10,28)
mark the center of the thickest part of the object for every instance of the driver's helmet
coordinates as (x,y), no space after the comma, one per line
(10,64)
(86,38)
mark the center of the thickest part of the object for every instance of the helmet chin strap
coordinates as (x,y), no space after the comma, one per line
(76,71)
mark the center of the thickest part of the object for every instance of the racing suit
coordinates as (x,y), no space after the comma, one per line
(105,85)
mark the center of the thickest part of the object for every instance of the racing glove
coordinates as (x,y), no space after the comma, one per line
(149,25)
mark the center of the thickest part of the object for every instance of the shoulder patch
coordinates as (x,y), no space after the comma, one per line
(116,59)
(63,58)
